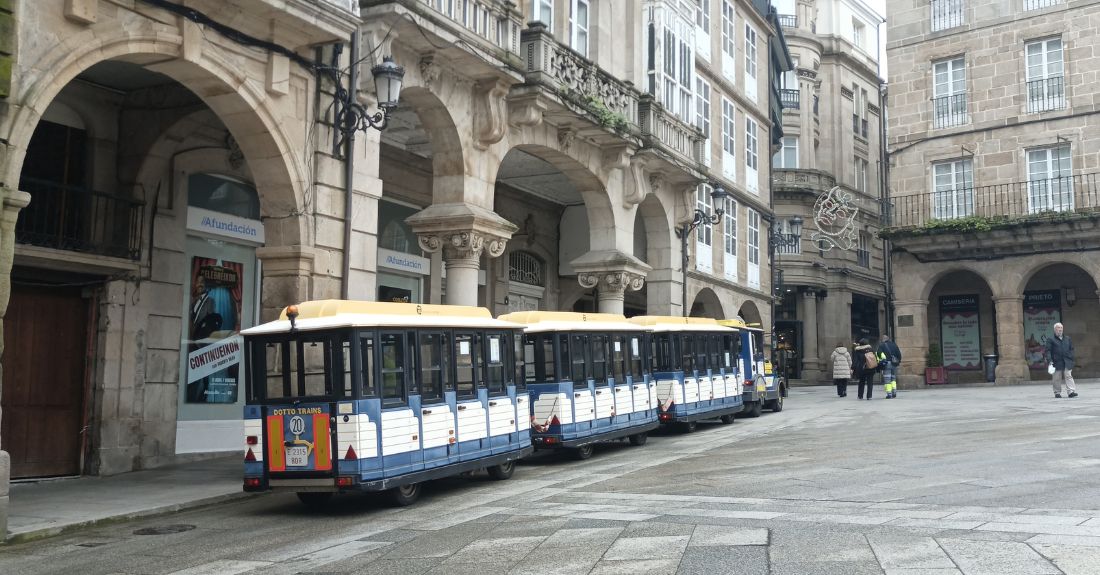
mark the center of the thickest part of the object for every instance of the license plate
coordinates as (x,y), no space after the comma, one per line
(760,387)
(297,456)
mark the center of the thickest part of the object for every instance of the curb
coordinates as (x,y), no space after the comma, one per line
(47,532)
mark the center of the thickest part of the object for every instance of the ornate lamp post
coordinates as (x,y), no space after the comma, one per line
(719,196)
(352,116)
(778,240)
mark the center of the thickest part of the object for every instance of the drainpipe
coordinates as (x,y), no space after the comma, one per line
(884,196)
(349,166)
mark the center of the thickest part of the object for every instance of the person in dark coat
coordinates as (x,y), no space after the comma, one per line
(860,369)
(1059,352)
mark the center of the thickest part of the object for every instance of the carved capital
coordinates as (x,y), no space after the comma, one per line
(462,245)
(612,282)
(492,112)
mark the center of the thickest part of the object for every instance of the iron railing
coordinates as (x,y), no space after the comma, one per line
(80,220)
(791,99)
(788,20)
(946,14)
(1037,4)
(1079,193)
(948,111)
(1046,94)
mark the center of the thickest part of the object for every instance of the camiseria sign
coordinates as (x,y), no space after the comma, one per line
(225,225)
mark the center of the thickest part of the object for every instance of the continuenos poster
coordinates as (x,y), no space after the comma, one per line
(214,346)
(960,331)
(1042,309)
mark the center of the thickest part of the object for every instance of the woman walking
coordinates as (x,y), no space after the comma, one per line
(842,369)
(861,368)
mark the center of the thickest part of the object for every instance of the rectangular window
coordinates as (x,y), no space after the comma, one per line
(949,93)
(729,228)
(703,201)
(465,365)
(577,354)
(1049,179)
(687,353)
(752,178)
(754,237)
(393,368)
(859,34)
(432,366)
(599,357)
(1046,89)
(618,355)
(863,251)
(493,353)
(635,353)
(947,14)
(954,189)
(750,52)
(671,61)
(544,12)
(790,245)
(861,166)
(729,140)
(787,156)
(366,355)
(578,26)
(729,47)
(702,115)
(702,15)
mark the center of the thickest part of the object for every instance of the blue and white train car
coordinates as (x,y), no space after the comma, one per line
(366,396)
(587,375)
(763,389)
(694,364)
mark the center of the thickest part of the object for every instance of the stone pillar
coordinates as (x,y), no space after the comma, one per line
(287,278)
(1011,365)
(612,273)
(811,357)
(13,202)
(912,337)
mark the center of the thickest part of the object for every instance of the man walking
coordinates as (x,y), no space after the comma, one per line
(889,356)
(1060,353)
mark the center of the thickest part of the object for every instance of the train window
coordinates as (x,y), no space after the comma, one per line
(701,343)
(272,358)
(431,366)
(345,364)
(524,358)
(634,357)
(513,345)
(366,354)
(599,357)
(564,364)
(687,352)
(465,365)
(576,349)
(666,358)
(410,353)
(495,350)
(728,353)
(715,349)
(393,368)
(315,366)
(617,356)
(545,349)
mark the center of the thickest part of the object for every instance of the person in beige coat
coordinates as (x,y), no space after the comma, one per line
(842,368)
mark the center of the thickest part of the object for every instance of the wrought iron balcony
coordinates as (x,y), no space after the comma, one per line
(946,14)
(497,21)
(791,99)
(80,220)
(1046,94)
(1037,4)
(1079,193)
(788,20)
(663,130)
(948,111)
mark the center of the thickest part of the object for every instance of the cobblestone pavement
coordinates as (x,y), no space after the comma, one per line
(996,481)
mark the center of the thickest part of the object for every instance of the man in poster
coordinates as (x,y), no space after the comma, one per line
(213,352)
(1060,354)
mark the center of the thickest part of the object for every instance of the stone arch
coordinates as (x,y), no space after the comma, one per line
(1086,263)
(281,177)
(654,218)
(929,282)
(706,304)
(750,313)
(448,160)
(952,286)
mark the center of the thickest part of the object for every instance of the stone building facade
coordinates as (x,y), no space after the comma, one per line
(173,174)
(993,159)
(834,288)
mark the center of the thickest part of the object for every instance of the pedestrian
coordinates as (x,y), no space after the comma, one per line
(889,356)
(842,368)
(1059,352)
(864,365)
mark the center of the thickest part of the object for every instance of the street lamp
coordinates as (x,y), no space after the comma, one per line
(786,241)
(719,195)
(352,116)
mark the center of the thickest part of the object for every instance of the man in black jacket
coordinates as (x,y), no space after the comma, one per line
(1060,353)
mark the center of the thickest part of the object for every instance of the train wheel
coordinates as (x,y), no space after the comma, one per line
(405,495)
(689,427)
(502,471)
(639,439)
(777,404)
(583,452)
(315,500)
(727,419)
(754,410)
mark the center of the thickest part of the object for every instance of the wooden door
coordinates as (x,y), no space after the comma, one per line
(45,345)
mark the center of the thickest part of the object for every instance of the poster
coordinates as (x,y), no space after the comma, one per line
(960,332)
(214,347)
(1042,309)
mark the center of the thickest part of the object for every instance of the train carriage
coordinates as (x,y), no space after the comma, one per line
(367,396)
(694,365)
(586,374)
(763,390)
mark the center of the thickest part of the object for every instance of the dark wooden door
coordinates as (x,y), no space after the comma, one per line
(45,345)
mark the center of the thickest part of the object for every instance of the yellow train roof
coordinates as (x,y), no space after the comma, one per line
(330,314)
(335,307)
(732,323)
(544,321)
(677,323)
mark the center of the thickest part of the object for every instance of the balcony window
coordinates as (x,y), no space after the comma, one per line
(954,189)
(729,46)
(702,114)
(750,62)
(1049,180)
(863,250)
(729,239)
(788,20)
(578,26)
(861,174)
(791,99)
(702,29)
(859,34)
(787,156)
(543,11)
(1045,76)
(946,14)
(729,142)
(1038,4)
(671,60)
(752,178)
(754,248)
(704,237)
(949,93)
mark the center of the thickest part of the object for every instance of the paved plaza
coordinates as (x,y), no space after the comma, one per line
(974,481)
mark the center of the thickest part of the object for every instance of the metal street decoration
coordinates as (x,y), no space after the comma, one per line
(835,219)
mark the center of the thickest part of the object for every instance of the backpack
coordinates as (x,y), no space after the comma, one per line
(870,360)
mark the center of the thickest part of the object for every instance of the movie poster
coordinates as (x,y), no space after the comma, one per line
(1042,309)
(960,332)
(214,324)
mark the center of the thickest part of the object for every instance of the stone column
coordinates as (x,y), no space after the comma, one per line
(1011,365)
(13,202)
(287,278)
(811,357)
(612,273)
(912,337)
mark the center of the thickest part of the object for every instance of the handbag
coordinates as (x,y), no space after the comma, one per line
(1050,368)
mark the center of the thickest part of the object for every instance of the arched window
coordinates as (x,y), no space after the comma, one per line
(525,267)
(394,237)
(222,194)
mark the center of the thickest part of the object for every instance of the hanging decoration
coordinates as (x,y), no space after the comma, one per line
(835,220)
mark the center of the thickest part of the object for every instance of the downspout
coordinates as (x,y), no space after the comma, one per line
(349,167)
(884,196)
